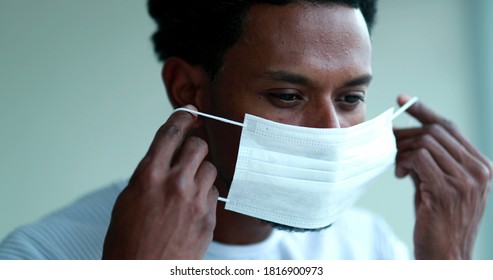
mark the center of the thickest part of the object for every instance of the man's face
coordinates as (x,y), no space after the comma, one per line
(299,64)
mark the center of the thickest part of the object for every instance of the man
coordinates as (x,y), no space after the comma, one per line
(302,63)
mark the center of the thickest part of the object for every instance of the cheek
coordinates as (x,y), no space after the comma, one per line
(223,140)
(348,119)
(234,103)
(226,101)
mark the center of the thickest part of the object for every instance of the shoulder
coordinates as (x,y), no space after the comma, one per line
(73,232)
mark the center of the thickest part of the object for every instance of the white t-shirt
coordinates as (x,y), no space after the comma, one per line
(78,232)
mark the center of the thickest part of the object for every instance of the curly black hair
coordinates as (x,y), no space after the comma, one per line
(201,31)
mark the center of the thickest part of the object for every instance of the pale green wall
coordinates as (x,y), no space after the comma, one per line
(80,100)
(483,49)
(81,97)
(421,48)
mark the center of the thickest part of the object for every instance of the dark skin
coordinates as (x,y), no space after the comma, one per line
(452,181)
(291,69)
(298,64)
(141,219)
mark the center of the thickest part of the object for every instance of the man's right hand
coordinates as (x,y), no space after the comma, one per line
(168,209)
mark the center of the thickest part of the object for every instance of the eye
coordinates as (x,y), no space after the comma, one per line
(351,101)
(285,98)
(288,97)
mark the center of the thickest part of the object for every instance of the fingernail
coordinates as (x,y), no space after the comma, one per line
(191,107)
(192,110)
(405,97)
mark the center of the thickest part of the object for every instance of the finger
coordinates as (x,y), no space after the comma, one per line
(191,155)
(402,170)
(170,136)
(441,156)
(212,197)
(418,161)
(454,142)
(402,133)
(417,184)
(427,116)
(469,147)
(441,136)
(421,163)
(205,177)
(420,111)
(212,204)
(450,155)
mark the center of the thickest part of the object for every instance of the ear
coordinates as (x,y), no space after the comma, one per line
(186,83)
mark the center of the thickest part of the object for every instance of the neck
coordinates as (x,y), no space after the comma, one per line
(232,227)
(238,229)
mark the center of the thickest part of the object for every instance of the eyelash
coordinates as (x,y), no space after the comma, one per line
(359,98)
(291,97)
(348,101)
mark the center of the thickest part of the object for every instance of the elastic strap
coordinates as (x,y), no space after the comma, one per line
(404,107)
(215,118)
(210,116)
(222,199)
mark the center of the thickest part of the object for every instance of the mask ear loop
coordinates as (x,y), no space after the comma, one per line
(215,118)
(210,116)
(404,107)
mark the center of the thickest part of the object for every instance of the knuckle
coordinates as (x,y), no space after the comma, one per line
(426,140)
(209,222)
(171,130)
(211,168)
(434,129)
(470,182)
(198,143)
(177,185)
(422,154)
(458,192)
(200,209)
(465,188)
(152,176)
(483,174)
(145,177)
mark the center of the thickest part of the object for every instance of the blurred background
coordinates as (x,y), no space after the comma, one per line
(81,96)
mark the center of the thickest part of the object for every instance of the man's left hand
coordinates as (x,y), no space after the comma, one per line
(452,181)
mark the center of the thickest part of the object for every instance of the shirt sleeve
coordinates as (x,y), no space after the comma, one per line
(18,246)
(75,232)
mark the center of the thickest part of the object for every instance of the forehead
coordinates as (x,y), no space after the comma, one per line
(328,37)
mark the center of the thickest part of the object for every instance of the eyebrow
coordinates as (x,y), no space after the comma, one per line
(359,81)
(288,77)
(293,78)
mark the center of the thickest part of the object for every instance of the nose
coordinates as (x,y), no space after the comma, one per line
(322,115)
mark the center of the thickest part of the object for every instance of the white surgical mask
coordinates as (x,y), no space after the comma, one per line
(306,177)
